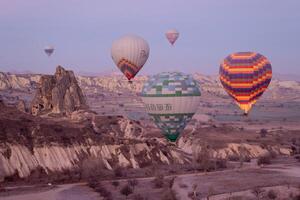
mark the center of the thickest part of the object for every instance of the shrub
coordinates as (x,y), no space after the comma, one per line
(169,194)
(272,194)
(158,181)
(266,160)
(118,172)
(132,183)
(263,132)
(103,191)
(92,183)
(115,183)
(126,190)
(257,191)
(221,164)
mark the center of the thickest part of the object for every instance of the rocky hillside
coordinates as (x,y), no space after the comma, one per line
(58,93)
(118,84)
(29,142)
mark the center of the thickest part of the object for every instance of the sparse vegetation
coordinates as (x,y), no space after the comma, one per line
(257,191)
(158,181)
(263,132)
(264,160)
(169,194)
(102,190)
(132,183)
(118,172)
(272,194)
(115,183)
(126,190)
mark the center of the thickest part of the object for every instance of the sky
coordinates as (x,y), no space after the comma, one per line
(83,31)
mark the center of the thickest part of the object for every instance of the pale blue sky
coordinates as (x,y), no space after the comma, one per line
(82,32)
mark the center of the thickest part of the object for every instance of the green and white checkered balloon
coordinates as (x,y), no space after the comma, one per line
(171,99)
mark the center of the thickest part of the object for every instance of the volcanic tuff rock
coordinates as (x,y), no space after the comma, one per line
(21,106)
(30,142)
(58,94)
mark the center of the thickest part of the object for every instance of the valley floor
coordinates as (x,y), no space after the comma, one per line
(282,176)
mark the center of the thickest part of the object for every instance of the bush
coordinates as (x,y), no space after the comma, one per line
(132,183)
(126,190)
(118,172)
(169,194)
(115,183)
(257,191)
(92,183)
(266,160)
(221,164)
(103,191)
(158,181)
(272,194)
(263,132)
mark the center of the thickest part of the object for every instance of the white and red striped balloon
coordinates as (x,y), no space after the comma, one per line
(172,35)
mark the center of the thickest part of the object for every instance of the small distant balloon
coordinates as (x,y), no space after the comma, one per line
(172,35)
(245,76)
(49,50)
(171,99)
(130,53)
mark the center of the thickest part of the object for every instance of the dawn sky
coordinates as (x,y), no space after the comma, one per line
(83,31)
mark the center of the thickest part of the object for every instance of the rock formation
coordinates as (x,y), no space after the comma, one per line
(21,106)
(58,94)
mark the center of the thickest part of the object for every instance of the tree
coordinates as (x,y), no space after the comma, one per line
(115,183)
(158,181)
(263,132)
(126,190)
(132,183)
(272,194)
(257,191)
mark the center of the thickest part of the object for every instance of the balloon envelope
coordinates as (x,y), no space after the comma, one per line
(130,53)
(245,76)
(172,35)
(49,50)
(171,99)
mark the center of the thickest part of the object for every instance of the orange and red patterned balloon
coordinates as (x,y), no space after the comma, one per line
(245,76)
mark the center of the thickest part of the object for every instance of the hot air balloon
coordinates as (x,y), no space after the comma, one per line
(171,99)
(130,53)
(172,35)
(49,50)
(245,76)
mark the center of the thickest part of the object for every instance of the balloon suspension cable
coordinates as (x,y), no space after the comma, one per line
(129,81)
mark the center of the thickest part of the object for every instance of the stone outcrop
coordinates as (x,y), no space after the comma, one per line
(21,106)
(58,94)
(56,158)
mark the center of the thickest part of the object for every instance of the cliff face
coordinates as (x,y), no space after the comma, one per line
(57,158)
(29,142)
(58,94)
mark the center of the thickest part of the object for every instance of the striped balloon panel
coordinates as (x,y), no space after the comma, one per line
(245,76)
(170,84)
(130,53)
(171,99)
(128,69)
(171,124)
